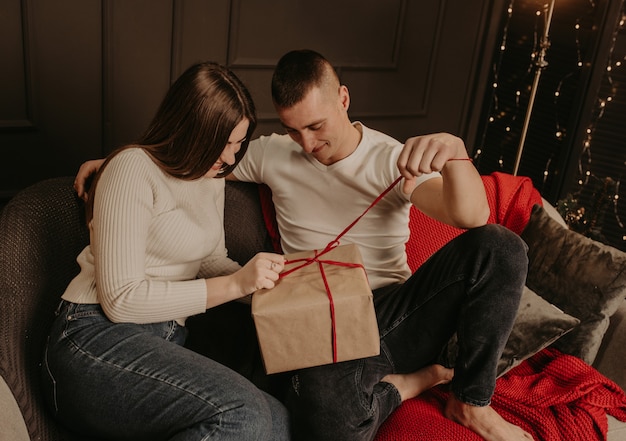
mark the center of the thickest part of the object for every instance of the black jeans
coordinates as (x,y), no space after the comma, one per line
(471,286)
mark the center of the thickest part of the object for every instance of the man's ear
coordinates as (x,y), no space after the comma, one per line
(344,97)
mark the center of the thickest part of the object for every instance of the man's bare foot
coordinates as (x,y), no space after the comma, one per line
(413,384)
(485,421)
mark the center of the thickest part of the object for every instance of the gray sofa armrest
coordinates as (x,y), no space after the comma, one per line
(612,354)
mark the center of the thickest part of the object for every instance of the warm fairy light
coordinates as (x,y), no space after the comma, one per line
(508,115)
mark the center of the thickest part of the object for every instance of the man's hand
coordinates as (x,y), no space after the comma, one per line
(427,154)
(459,198)
(85,174)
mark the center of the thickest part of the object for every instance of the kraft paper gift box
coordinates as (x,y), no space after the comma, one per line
(294,320)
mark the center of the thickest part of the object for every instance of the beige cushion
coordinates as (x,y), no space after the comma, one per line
(12,426)
(617,430)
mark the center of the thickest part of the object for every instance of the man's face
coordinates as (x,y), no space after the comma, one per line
(320,124)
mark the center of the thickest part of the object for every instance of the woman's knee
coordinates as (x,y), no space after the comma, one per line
(258,417)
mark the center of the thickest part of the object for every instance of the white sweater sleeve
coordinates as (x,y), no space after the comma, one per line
(125,219)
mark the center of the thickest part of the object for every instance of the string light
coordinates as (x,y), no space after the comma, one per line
(615,200)
(507,99)
(507,118)
(495,105)
(585,160)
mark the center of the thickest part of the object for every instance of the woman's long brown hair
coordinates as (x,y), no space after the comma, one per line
(193,124)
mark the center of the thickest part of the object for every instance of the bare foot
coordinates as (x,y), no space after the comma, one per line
(413,384)
(485,421)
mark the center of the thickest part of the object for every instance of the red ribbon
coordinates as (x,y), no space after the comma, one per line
(316,258)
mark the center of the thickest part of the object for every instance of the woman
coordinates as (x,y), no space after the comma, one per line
(115,367)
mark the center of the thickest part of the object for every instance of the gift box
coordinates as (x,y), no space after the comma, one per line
(321,311)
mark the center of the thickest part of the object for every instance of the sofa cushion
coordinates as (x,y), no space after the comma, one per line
(244,226)
(537,325)
(583,277)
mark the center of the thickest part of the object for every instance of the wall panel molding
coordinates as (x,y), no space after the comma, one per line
(80,78)
(16,102)
(362,35)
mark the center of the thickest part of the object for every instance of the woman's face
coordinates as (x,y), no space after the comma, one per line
(237,136)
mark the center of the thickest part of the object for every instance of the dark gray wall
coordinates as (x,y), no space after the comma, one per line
(80,77)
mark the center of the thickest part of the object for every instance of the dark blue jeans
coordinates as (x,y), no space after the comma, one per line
(136,382)
(472,286)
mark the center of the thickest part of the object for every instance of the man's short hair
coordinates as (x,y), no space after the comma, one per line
(296,73)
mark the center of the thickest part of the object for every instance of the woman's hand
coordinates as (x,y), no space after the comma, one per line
(261,272)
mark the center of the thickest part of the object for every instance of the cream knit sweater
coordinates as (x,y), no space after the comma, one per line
(153,237)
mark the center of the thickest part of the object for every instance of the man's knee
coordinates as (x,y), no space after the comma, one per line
(508,248)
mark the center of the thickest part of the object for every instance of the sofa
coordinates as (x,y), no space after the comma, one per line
(42,230)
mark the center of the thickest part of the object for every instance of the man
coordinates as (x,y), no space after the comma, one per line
(323,175)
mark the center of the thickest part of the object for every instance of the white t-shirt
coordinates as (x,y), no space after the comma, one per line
(315,202)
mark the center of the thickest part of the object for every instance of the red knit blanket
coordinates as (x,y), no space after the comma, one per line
(551,395)
(511,199)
